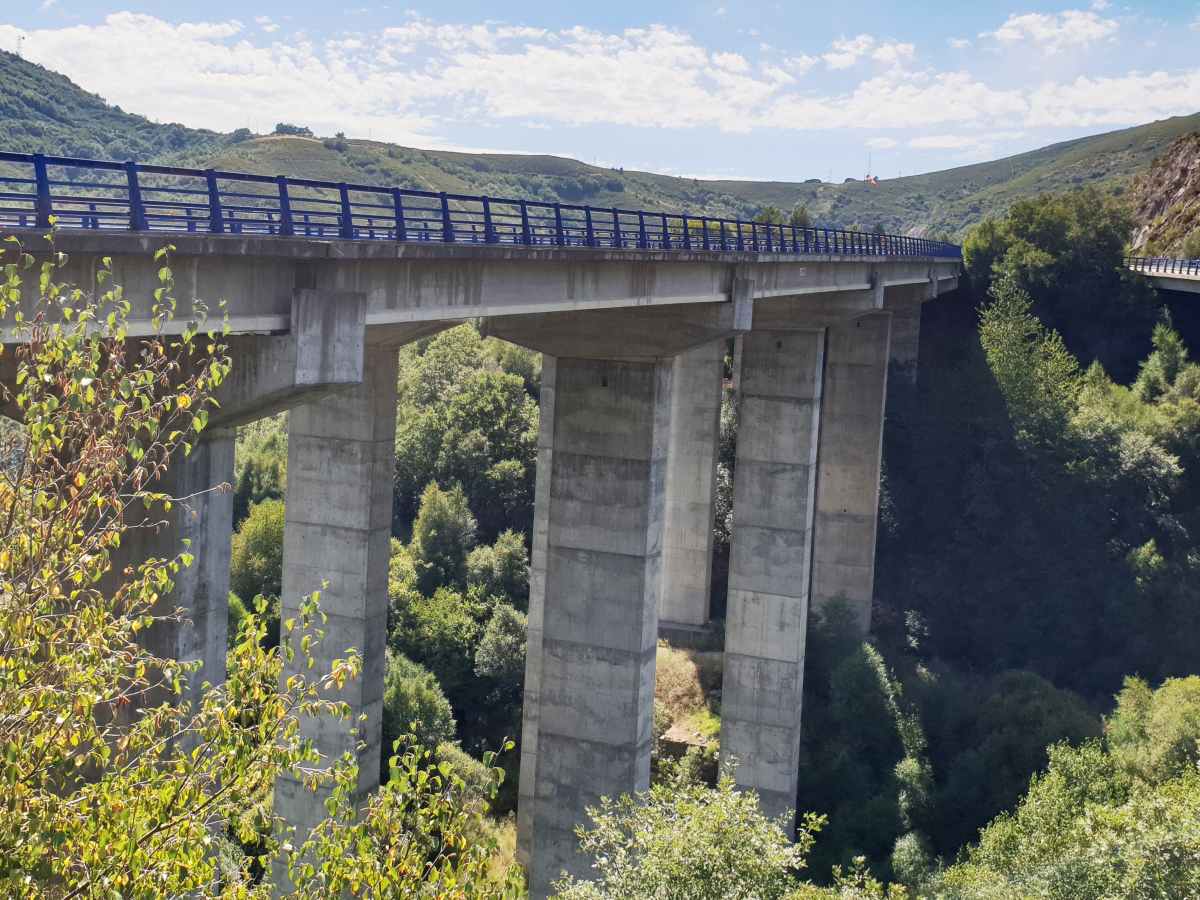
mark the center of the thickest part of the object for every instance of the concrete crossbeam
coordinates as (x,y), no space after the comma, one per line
(770,553)
(691,492)
(852,414)
(337,540)
(593,607)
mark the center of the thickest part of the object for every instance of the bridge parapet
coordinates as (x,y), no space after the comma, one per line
(1168,274)
(108,196)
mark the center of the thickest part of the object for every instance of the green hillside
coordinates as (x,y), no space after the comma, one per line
(43,111)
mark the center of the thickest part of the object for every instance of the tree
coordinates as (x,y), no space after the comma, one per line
(257,555)
(800,215)
(413,704)
(293,130)
(771,214)
(502,570)
(691,842)
(443,535)
(95,796)
(501,652)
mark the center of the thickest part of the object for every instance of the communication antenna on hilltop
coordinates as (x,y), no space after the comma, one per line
(20,39)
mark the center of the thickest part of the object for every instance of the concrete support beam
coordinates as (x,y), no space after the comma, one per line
(202,484)
(341,460)
(856,368)
(906,341)
(773,502)
(593,601)
(691,492)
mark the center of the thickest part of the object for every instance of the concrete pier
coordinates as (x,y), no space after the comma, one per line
(773,503)
(906,341)
(593,606)
(202,483)
(696,383)
(341,463)
(852,411)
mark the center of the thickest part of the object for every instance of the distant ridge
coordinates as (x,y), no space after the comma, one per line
(43,111)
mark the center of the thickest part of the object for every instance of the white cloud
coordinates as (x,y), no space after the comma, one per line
(895,53)
(848,51)
(734,62)
(720,13)
(943,142)
(46,4)
(882,143)
(1100,4)
(1054,33)
(958,43)
(407,82)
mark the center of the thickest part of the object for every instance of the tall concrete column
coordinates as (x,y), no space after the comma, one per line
(773,500)
(201,483)
(593,602)
(696,384)
(906,340)
(856,369)
(341,460)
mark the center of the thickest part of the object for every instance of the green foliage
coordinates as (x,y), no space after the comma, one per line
(260,464)
(688,841)
(800,215)
(1081,833)
(770,213)
(257,557)
(501,653)
(862,756)
(1039,379)
(463,422)
(441,633)
(1066,253)
(413,704)
(443,535)
(1154,736)
(293,130)
(501,570)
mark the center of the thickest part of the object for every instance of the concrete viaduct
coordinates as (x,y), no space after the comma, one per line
(633,341)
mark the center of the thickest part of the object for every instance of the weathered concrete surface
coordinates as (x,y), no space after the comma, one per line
(773,502)
(341,460)
(203,515)
(415,282)
(593,601)
(852,406)
(696,387)
(906,341)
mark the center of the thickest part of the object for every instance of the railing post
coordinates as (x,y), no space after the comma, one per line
(591,236)
(137,212)
(618,241)
(643,241)
(666,233)
(398,205)
(526,237)
(687,236)
(704,231)
(489,236)
(741,240)
(559,236)
(215,223)
(767,228)
(346,229)
(447,223)
(286,226)
(43,206)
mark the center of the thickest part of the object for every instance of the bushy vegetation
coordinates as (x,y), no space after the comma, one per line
(122,775)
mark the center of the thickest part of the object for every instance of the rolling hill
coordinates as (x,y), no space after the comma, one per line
(43,111)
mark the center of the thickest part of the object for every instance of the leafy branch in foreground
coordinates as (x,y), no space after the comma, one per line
(115,779)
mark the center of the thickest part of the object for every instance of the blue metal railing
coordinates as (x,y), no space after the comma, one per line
(108,196)
(1163,266)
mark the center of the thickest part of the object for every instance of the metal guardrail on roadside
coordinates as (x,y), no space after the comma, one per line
(109,196)
(1164,266)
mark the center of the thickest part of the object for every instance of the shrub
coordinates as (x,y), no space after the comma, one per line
(413,703)
(256,562)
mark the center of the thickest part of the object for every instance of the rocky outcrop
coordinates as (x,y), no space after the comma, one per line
(1167,202)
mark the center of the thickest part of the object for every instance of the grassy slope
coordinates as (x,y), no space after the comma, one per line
(43,111)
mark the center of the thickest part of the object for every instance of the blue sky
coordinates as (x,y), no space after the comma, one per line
(715,88)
